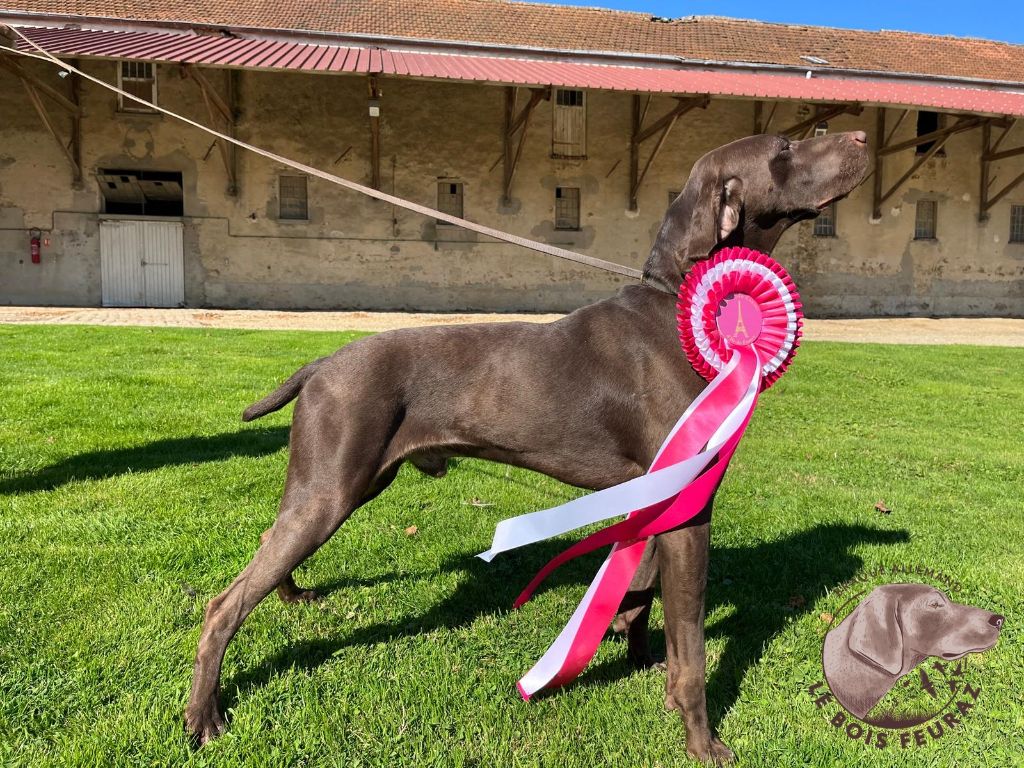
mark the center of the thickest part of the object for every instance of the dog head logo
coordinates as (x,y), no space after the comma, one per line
(893,630)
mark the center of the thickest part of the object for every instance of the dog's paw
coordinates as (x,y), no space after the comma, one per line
(204,724)
(647,661)
(299,596)
(712,752)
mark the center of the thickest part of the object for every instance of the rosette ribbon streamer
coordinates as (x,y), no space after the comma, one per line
(739,324)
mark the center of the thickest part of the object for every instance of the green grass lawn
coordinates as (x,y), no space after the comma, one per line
(130,494)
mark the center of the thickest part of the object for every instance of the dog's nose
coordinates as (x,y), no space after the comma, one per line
(859,136)
(996,620)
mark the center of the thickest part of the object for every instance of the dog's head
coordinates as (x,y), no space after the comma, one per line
(748,193)
(899,625)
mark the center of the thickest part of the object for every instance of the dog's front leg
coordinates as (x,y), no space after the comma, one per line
(683,561)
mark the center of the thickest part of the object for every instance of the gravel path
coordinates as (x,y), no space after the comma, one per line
(997,332)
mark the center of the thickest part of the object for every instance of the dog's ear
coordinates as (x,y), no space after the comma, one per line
(876,634)
(729,206)
(707,211)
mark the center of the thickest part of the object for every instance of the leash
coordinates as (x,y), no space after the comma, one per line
(497,234)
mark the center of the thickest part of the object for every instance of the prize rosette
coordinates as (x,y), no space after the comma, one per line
(739,297)
(739,325)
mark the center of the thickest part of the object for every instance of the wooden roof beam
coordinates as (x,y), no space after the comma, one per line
(965,123)
(225,109)
(17,70)
(660,127)
(37,102)
(517,123)
(822,115)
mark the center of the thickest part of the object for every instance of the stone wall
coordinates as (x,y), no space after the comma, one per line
(354,252)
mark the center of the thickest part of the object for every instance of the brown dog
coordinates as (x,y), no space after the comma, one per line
(894,629)
(587,400)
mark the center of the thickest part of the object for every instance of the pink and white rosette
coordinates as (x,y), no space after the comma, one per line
(739,325)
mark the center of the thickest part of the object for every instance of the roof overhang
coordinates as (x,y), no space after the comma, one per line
(637,75)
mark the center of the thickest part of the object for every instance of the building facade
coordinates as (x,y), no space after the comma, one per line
(158,214)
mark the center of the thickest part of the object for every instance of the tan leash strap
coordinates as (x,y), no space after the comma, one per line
(424,210)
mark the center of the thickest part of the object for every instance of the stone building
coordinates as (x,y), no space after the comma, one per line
(567,125)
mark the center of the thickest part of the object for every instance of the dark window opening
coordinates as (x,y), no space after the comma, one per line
(141,193)
(928,122)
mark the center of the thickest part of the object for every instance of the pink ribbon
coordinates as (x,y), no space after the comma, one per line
(694,456)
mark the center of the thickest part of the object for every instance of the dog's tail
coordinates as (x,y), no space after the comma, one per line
(284,394)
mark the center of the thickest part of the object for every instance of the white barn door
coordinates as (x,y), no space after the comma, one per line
(141,263)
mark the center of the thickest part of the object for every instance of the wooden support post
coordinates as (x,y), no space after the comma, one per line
(76,126)
(1006,129)
(506,144)
(210,93)
(876,208)
(41,87)
(634,153)
(986,141)
(232,99)
(37,102)
(990,155)
(1004,192)
(886,140)
(374,133)
(921,160)
(219,111)
(662,127)
(771,116)
(517,123)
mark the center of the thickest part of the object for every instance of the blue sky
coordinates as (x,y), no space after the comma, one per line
(999,20)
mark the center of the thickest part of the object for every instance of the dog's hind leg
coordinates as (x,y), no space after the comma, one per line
(635,610)
(296,534)
(288,590)
(332,469)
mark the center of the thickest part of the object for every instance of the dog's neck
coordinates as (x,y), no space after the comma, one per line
(665,271)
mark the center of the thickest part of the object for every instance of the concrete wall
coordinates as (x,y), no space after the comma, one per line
(358,253)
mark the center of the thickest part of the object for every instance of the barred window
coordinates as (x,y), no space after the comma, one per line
(569,124)
(567,208)
(925,220)
(449,198)
(825,224)
(139,79)
(293,202)
(1017,223)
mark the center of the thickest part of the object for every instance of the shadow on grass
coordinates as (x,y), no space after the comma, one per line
(97,465)
(768,584)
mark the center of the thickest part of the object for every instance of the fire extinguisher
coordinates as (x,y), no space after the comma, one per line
(33,244)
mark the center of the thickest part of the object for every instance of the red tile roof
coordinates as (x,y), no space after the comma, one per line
(498,22)
(253,53)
